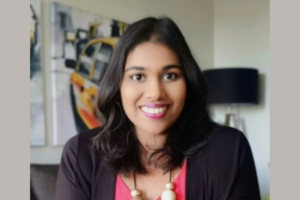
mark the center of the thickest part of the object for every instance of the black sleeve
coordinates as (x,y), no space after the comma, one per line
(67,187)
(245,184)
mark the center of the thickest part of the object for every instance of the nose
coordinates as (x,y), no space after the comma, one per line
(155,90)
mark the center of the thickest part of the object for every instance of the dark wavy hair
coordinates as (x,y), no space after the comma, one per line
(116,142)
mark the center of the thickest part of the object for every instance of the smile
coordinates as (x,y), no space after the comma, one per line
(154,112)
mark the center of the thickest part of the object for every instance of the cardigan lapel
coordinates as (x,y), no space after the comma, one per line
(107,183)
(192,180)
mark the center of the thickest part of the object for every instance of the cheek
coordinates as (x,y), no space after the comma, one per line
(129,96)
(178,96)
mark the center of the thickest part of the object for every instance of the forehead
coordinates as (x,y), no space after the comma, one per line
(151,55)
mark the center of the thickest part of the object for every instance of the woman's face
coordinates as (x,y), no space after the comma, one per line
(153,89)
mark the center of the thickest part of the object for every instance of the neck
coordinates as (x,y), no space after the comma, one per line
(149,143)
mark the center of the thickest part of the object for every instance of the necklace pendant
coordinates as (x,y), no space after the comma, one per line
(168,194)
(136,195)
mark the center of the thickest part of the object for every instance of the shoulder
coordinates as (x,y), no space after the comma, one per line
(226,147)
(225,136)
(77,152)
(229,162)
(80,141)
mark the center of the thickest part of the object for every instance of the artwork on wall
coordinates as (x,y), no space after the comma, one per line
(82,44)
(37,111)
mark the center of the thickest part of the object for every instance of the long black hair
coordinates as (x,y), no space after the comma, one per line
(116,142)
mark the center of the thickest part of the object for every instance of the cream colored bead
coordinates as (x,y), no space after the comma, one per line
(168,195)
(169,186)
(135,193)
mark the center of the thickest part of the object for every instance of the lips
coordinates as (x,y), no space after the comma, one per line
(154,111)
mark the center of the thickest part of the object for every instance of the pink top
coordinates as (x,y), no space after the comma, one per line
(122,192)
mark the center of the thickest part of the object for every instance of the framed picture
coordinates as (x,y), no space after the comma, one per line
(82,44)
(37,111)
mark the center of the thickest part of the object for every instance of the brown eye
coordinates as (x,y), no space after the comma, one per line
(169,76)
(137,77)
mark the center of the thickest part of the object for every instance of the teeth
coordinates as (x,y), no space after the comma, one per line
(153,110)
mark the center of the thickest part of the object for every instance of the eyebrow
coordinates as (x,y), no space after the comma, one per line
(165,68)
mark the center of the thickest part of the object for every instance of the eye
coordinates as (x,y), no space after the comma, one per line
(137,77)
(169,76)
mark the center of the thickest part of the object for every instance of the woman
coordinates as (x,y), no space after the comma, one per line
(157,140)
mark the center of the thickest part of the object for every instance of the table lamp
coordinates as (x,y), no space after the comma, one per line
(231,86)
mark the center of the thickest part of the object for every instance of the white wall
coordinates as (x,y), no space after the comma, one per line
(194,18)
(241,39)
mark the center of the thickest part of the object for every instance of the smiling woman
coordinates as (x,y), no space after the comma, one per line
(157,138)
(148,92)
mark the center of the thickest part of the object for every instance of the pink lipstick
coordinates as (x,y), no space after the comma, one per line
(154,111)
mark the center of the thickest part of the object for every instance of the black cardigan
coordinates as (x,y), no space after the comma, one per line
(224,169)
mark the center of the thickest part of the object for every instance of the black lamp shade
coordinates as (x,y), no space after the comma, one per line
(232,85)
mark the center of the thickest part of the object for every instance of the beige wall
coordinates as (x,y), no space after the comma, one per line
(241,39)
(194,18)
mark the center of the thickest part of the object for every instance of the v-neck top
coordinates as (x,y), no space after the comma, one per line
(122,192)
(222,169)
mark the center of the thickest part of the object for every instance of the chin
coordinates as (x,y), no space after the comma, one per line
(150,129)
(156,131)
(160,132)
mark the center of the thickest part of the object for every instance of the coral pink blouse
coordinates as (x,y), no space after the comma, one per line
(122,192)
